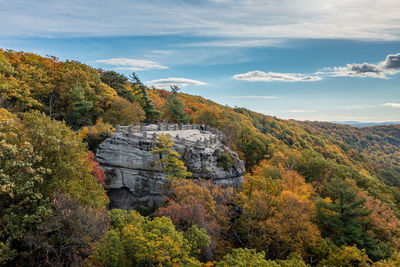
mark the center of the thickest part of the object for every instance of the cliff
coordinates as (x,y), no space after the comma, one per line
(133,178)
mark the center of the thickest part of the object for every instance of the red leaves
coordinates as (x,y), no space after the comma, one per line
(97,172)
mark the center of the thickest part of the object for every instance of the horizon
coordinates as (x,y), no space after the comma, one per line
(302,60)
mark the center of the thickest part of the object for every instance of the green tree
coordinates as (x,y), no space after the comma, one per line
(80,113)
(243,257)
(120,83)
(134,240)
(346,256)
(344,218)
(140,92)
(198,240)
(169,159)
(175,108)
(22,204)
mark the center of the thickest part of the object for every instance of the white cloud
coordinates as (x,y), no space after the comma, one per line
(247,19)
(180,82)
(392,105)
(390,66)
(260,76)
(131,64)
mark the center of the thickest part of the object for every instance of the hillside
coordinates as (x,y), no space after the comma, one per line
(315,193)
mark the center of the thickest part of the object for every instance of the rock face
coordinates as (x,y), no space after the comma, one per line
(135,180)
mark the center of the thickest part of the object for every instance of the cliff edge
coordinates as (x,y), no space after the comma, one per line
(135,180)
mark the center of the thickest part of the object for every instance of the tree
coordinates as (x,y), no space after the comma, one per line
(277,215)
(22,203)
(346,256)
(140,93)
(119,83)
(243,257)
(134,240)
(344,219)
(79,114)
(176,109)
(14,94)
(96,134)
(39,158)
(123,112)
(65,236)
(169,159)
(203,205)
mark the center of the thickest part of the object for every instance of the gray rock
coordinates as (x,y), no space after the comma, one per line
(134,180)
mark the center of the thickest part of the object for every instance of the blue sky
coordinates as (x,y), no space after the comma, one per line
(302,59)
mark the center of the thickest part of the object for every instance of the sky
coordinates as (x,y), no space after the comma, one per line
(332,60)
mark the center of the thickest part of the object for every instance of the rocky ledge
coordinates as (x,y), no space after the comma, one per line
(134,180)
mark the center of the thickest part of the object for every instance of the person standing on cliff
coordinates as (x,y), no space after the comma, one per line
(203,127)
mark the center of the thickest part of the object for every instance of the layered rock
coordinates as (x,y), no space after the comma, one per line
(135,180)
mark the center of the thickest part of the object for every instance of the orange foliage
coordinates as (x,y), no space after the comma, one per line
(97,172)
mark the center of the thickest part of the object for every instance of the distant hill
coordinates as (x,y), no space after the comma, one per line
(366,124)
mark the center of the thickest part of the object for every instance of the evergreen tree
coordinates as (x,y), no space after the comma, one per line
(345,217)
(140,92)
(175,107)
(119,83)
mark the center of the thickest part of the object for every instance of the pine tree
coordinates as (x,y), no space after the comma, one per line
(140,92)
(175,107)
(345,218)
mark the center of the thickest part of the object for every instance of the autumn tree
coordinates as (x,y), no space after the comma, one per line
(278,214)
(134,240)
(245,257)
(203,205)
(347,256)
(65,236)
(123,112)
(119,82)
(169,159)
(94,135)
(14,94)
(22,204)
(40,157)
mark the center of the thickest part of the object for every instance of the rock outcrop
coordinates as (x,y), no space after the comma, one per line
(133,178)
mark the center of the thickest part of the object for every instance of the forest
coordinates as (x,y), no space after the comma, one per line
(315,193)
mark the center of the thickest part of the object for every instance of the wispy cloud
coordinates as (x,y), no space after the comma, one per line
(159,54)
(131,64)
(392,105)
(181,82)
(251,97)
(361,106)
(302,111)
(239,42)
(260,76)
(252,20)
(390,66)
